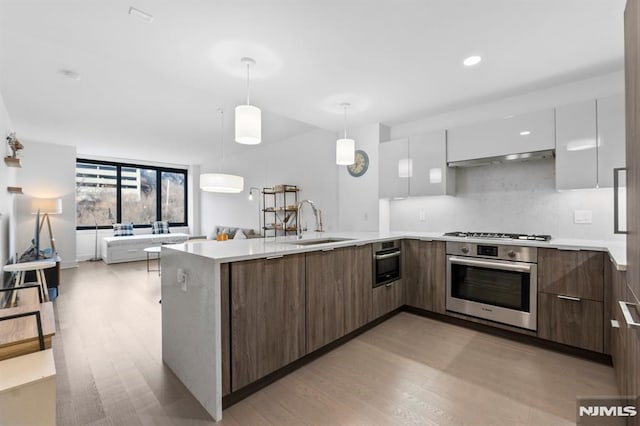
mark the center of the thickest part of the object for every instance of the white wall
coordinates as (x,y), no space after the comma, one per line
(307,160)
(7,210)
(518,198)
(358,196)
(48,171)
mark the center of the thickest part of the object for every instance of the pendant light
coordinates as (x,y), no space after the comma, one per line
(221,182)
(345,148)
(248,117)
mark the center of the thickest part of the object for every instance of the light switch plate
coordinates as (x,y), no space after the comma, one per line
(582,216)
(422,216)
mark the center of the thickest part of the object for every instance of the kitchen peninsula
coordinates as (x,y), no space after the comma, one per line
(281,296)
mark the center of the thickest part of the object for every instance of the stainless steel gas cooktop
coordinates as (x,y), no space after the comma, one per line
(498,236)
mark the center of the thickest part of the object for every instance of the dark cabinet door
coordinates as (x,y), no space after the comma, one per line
(358,284)
(267,316)
(424,277)
(325,297)
(571,273)
(572,322)
(387,297)
(224,329)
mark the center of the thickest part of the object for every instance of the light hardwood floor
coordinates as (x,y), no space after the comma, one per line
(408,370)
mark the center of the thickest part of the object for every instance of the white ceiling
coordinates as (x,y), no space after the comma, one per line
(150,91)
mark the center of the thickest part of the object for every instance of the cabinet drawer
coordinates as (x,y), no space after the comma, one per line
(572,322)
(386,298)
(126,254)
(571,273)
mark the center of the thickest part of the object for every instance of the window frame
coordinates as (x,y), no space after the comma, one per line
(158,170)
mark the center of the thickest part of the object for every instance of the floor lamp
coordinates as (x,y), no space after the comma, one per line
(95,252)
(46,207)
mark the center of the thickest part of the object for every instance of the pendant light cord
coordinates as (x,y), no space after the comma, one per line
(345,121)
(248,87)
(221,137)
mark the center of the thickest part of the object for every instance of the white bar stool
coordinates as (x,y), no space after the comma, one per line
(22,268)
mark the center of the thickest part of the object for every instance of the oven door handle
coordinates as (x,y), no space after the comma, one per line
(388,255)
(519,267)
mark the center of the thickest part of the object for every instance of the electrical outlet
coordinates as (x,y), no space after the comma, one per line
(182,279)
(582,216)
(422,216)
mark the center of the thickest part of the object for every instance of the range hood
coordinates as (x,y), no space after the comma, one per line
(509,158)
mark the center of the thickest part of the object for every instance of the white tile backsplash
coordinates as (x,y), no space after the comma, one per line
(518,197)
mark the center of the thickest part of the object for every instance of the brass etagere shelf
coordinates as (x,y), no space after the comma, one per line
(280,210)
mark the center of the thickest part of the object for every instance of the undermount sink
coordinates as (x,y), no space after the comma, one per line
(318,241)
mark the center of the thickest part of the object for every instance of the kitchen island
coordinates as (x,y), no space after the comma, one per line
(196,322)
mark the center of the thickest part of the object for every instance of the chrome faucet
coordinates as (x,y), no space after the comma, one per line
(317,213)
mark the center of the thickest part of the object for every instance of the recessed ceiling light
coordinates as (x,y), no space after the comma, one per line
(140,15)
(472,60)
(525,133)
(70,74)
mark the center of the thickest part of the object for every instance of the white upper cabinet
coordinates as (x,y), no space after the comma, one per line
(394,169)
(431,176)
(576,154)
(590,143)
(611,138)
(415,167)
(515,134)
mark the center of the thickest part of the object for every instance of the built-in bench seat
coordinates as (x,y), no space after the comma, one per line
(131,248)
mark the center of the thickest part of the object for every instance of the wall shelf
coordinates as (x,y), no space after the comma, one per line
(280,211)
(14,189)
(12,162)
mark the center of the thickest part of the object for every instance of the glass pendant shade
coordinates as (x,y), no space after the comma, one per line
(345,152)
(219,182)
(248,125)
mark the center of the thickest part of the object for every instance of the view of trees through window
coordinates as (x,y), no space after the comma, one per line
(146,194)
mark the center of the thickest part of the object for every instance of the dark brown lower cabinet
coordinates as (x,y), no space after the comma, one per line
(267,316)
(339,285)
(325,275)
(387,297)
(572,321)
(358,282)
(224,329)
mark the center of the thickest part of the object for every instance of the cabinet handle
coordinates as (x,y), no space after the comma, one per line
(616,190)
(132,250)
(388,255)
(389,285)
(573,299)
(615,324)
(275,257)
(328,249)
(626,313)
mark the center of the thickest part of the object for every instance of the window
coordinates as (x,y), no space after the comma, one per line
(108,193)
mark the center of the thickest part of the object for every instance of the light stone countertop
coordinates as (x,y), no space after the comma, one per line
(256,248)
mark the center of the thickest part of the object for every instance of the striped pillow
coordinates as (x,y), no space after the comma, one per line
(122,229)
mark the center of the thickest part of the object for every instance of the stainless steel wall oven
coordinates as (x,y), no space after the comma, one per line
(494,282)
(387,262)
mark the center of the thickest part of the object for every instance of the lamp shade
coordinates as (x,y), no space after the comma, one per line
(345,152)
(219,182)
(248,125)
(46,205)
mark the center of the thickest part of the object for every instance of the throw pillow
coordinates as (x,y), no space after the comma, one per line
(160,227)
(122,229)
(240,235)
